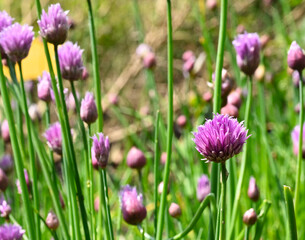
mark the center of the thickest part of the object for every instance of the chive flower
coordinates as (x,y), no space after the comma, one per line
(16,41)
(11,232)
(133,210)
(5,21)
(220,139)
(253,191)
(135,158)
(296,57)
(5,132)
(7,163)
(203,187)
(174,210)
(54,138)
(100,150)
(247,47)
(70,61)
(5,209)
(88,110)
(44,87)
(52,221)
(54,24)
(295,140)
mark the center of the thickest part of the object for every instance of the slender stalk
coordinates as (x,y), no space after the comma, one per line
(70,148)
(247,233)
(217,87)
(31,154)
(29,219)
(104,207)
(291,214)
(222,234)
(243,162)
(169,123)
(90,185)
(300,155)
(206,202)
(156,171)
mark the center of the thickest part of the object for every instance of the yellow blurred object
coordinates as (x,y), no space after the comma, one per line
(35,63)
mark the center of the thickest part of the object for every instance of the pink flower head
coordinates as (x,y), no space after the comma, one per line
(88,110)
(203,187)
(295,140)
(54,25)
(11,232)
(132,206)
(100,150)
(16,41)
(44,87)
(5,21)
(54,138)
(5,209)
(296,57)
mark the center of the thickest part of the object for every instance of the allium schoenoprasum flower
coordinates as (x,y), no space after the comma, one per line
(132,206)
(247,47)
(5,21)
(203,187)
(44,87)
(7,163)
(135,158)
(5,209)
(295,140)
(70,61)
(296,57)
(220,139)
(88,110)
(54,24)
(100,150)
(54,138)
(11,232)
(16,41)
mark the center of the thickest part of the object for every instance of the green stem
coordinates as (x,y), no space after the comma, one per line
(222,234)
(247,233)
(29,219)
(138,20)
(107,207)
(207,201)
(169,123)
(33,171)
(90,185)
(291,214)
(96,75)
(156,171)
(104,207)
(300,155)
(70,148)
(217,87)
(243,162)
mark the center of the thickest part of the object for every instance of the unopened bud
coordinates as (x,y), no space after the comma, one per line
(250,217)
(174,210)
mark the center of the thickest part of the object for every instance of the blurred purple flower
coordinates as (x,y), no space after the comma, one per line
(135,158)
(27,181)
(247,46)
(5,133)
(5,209)
(54,25)
(295,140)
(70,61)
(5,21)
(203,187)
(54,138)
(143,49)
(44,87)
(100,150)
(16,41)
(11,232)
(88,110)
(296,57)
(132,206)
(52,221)
(7,163)
(221,138)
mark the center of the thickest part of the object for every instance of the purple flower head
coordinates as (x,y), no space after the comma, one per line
(70,61)
(295,140)
(5,21)
(53,137)
(296,57)
(54,25)
(11,232)
(247,47)
(132,206)
(221,138)
(203,187)
(88,110)
(253,191)
(100,150)
(135,158)
(16,41)
(6,163)
(5,209)
(44,87)
(5,133)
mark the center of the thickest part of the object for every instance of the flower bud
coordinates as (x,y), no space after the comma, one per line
(97,204)
(181,121)
(160,188)
(203,187)
(5,209)
(207,97)
(54,138)
(85,74)
(136,158)
(211,4)
(143,49)
(174,210)
(6,163)
(296,57)
(34,112)
(149,60)
(230,110)
(132,206)
(163,158)
(5,131)
(253,191)
(52,221)
(44,87)
(100,150)
(234,98)
(189,65)
(113,99)
(187,55)
(260,73)
(250,217)
(3,180)
(88,110)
